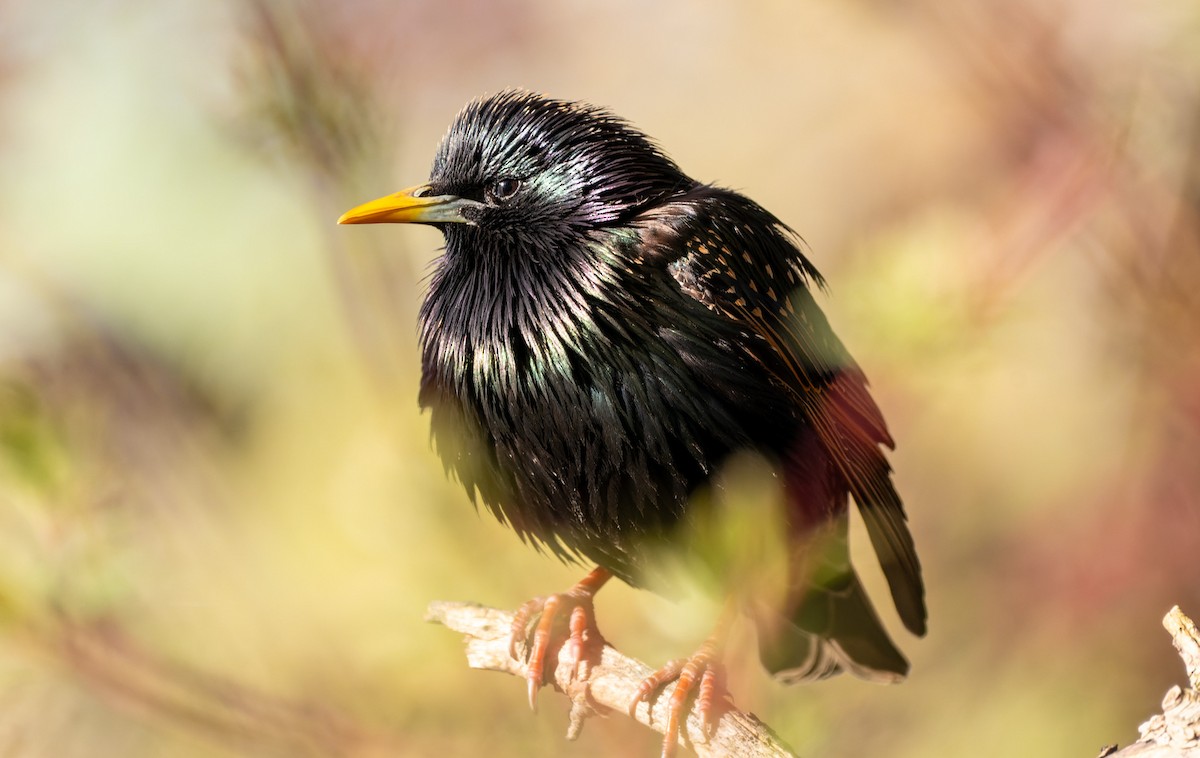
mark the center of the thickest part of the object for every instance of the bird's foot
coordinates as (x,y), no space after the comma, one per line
(538,622)
(702,675)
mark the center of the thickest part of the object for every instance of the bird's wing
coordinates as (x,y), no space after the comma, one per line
(737,259)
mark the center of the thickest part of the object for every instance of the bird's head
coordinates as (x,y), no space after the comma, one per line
(517,166)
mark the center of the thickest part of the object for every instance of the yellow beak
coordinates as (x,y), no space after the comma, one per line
(410,206)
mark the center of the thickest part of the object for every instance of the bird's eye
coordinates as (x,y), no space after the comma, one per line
(504,188)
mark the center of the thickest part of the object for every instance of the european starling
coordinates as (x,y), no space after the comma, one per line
(600,334)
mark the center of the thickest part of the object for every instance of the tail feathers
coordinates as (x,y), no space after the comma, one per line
(884,517)
(833,629)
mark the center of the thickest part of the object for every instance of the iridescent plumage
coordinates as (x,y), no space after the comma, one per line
(602,332)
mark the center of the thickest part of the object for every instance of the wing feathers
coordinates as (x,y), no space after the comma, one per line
(734,257)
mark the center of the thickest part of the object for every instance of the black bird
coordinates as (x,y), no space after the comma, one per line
(600,334)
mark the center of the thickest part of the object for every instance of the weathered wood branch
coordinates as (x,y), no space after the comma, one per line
(1174,733)
(610,686)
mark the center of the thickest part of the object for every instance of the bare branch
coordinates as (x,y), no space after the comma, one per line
(1174,733)
(1187,642)
(609,688)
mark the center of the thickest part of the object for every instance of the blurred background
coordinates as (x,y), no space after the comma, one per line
(220,520)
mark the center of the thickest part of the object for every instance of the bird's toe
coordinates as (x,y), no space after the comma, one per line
(702,676)
(539,624)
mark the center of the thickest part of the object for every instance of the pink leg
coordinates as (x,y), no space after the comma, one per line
(582,629)
(702,675)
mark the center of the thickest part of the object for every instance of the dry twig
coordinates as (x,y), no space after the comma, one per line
(1174,733)
(610,686)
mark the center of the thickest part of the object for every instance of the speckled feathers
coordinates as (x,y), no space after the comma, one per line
(604,331)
